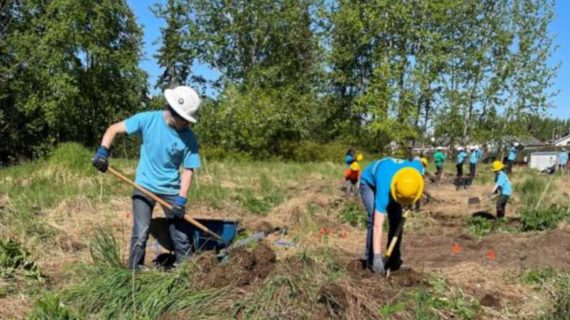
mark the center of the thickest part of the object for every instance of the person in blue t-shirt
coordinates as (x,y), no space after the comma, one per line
(563,160)
(502,186)
(512,156)
(167,143)
(460,160)
(474,158)
(349,157)
(385,186)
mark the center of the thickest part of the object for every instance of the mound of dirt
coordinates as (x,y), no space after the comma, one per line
(243,267)
(490,301)
(335,300)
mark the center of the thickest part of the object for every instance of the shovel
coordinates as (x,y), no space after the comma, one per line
(162,202)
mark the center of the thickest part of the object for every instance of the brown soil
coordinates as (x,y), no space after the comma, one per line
(243,267)
(491,301)
(532,250)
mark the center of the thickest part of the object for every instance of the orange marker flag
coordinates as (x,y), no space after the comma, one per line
(456,248)
(491,254)
(323,230)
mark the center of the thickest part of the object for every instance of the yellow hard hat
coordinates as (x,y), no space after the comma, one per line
(497,166)
(355,166)
(359,157)
(407,186)
(424,161)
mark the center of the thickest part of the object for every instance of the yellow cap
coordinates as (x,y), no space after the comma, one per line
(407,186)
(355,166)
(359,157)
(497,166)
(424,161)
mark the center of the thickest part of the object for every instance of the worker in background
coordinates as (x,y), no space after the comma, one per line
(512,157)
(502,186)
(461,156)
(352,176)
(563,161)
(167,143)
(439,160)
(349,157)
(474,158)
(386,186)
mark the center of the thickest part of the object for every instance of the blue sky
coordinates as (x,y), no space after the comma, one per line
(560,27)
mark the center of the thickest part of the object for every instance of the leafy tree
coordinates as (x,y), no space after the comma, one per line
(76,72)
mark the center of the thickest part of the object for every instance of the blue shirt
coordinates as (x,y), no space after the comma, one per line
(163,150)
(461,157)
(348,159)
(563,158)
(512,154)
(474,157)
(379,174)
(504,184)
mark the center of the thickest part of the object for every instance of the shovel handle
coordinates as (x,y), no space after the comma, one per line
(162,202)
(396,236)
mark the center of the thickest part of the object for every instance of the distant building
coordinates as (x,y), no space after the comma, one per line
(562,142)
(543,160)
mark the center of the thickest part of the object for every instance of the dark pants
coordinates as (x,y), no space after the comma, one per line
(394,211)
(142,214)
(472,169)
(510,164)
(438,172)
(501,205)
(459,167)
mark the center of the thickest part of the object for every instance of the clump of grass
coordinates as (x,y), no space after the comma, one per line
(561,302)
(538,277)
(50,307)
(531,189)
(110,291)
(544,217)
(481,226)
(73,156)
(444,298)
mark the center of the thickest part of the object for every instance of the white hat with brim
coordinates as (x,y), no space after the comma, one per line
(184,100)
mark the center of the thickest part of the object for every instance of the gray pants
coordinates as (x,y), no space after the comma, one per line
(142,214)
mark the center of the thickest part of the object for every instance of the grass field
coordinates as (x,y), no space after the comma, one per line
(65,230)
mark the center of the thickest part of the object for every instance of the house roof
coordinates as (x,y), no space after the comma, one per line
(562,139)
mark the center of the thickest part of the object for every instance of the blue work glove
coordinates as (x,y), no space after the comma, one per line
(378,264)
(178,205)
(100,159)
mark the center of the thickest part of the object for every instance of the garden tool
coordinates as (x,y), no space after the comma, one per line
(397,235)
(162,202)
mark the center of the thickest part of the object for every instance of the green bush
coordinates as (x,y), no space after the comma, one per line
(219,153)
(15,261)
(543,218)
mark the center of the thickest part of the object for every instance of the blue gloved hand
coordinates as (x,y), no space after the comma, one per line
(100,159)
(378,264)
(178,205)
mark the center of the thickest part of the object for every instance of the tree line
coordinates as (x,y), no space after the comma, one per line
(292,72)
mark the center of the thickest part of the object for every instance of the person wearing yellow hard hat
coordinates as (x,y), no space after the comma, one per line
(352,176)
(502,186)
(386,186)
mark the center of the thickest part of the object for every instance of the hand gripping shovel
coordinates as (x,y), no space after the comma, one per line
(394,240)
(162,202)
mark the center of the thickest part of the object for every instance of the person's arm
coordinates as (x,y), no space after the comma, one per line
(111,132)
(186,182)
(377,231)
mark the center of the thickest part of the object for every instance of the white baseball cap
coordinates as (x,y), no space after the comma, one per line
(184,100)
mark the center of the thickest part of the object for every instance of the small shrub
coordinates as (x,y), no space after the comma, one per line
(543,218)
(15,261)
(538,277)
(353,214)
